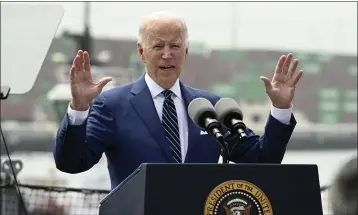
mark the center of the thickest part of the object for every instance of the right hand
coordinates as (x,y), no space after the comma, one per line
(83,89)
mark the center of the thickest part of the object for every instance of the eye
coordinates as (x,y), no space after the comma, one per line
(157,46)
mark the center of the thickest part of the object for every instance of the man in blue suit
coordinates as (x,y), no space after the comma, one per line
(147,121)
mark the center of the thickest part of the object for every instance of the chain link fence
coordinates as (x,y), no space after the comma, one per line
(41,200)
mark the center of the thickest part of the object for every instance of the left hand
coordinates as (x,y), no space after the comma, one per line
(282,87)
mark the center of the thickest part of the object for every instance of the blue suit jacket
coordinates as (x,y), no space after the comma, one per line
(123,124)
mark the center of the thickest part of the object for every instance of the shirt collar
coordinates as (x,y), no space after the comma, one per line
(156,90)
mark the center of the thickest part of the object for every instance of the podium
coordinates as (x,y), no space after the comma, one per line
(217,189)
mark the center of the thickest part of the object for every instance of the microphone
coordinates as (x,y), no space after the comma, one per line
(230,115)
(203,114)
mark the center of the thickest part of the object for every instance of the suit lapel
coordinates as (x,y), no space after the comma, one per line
(193,130)
(143,104)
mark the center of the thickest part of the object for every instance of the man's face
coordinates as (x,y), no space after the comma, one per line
(163,51)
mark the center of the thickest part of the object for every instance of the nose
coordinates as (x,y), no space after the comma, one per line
(167,53)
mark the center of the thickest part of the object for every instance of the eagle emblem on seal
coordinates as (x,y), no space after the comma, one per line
(237,207)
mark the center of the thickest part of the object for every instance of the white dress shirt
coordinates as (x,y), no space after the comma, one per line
(78,117)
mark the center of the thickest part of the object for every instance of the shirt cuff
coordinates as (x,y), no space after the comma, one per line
(282,115)
(76,117)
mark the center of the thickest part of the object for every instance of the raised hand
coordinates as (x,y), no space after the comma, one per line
(282,87)
(83,89)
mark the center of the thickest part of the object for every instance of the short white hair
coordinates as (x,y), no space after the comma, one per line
(160,15)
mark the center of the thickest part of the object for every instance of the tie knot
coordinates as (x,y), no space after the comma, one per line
(167,93)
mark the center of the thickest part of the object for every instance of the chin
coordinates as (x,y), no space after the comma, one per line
(168,80)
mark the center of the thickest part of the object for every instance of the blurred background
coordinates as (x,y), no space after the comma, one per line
(231,46)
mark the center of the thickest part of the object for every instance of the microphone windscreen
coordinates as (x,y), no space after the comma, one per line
(199,109)
(226,109)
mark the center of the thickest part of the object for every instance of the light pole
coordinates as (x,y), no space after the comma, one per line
(233,25)
(84,40)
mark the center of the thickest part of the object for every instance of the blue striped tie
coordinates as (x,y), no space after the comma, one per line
(170,125)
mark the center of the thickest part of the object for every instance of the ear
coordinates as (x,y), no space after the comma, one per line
(186,52)
(140,52)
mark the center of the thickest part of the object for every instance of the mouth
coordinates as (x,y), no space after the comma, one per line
(167,68)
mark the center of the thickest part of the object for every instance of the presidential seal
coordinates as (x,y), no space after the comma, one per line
(237,197)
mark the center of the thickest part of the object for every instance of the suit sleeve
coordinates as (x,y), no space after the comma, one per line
(77,148)
(268,148)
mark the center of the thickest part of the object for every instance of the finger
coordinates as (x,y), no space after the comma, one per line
(287,63)
(293,68)
(87,62)
(280,63)
(298,77)
(103,82)
(81,62)
(74,60)
(77,63)
(267,83)
(73,73)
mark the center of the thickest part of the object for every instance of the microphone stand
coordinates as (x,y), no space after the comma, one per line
(224,149)
(4,94)
(239,137)
(212,126)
